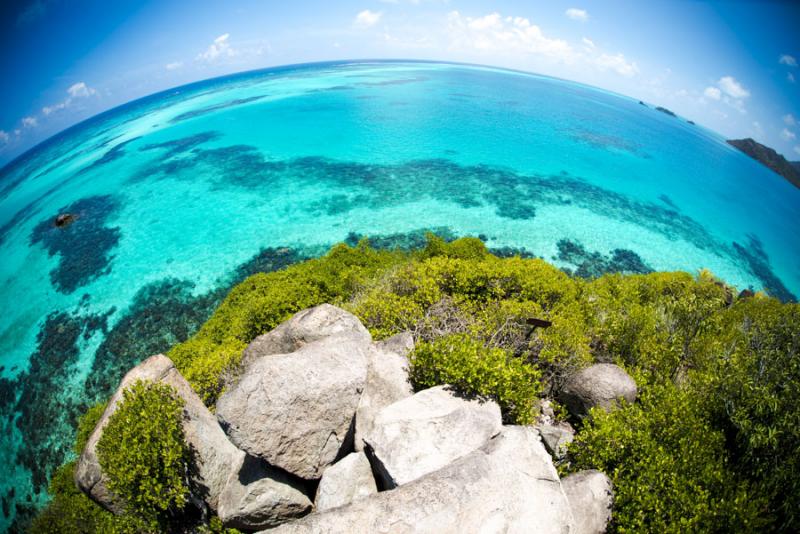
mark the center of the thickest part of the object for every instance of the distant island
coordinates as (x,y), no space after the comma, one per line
(770,158)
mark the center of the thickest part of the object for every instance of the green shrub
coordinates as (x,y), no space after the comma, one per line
(474,369)
(70,511)
(86,424)
(143,452)
(669,467)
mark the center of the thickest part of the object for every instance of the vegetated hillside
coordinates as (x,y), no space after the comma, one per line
(770,158)
(711,445)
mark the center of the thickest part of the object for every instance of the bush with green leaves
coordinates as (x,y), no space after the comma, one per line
(143,452)
(474,369)
(669,465)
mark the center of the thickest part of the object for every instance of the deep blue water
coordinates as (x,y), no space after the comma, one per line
(182,193)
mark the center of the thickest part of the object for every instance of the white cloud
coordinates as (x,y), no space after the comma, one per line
(588,42)
(514,35)
(80,90)
(367,18)
(787,134)
(219,48)
(713,93)
(75,91)
(797,149)
(29,122)
(4,137)
(790,77)
(47,110)
(577,14)
(731,87)
(174,65)
(617,63)
(757,129)
(789,120)
(786,59)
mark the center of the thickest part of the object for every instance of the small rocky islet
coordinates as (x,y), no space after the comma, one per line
(321,431)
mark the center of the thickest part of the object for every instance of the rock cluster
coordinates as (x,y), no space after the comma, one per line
(322,432)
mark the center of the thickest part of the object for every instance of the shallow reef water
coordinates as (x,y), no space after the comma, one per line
(176,197)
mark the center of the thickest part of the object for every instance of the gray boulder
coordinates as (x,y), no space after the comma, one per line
(345,481)
(509,485)
(296,410)
(556,438)
(591,497)
(305,327)
(427,431)
(258,496)
(213,454)
(602,385)
(387,383)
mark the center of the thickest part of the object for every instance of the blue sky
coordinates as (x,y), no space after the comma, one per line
(731,66)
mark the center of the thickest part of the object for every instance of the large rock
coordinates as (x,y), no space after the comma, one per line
(591,497)
(296,410)
(213,454)
(509,485)
(258,496)
(305,327)
(345,481)
(387,382)
(602,385)
(427,431)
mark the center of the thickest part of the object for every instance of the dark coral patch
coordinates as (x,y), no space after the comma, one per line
(755,259)
(112,154)
(216,107)
(183,145)
(593,264)
(40,401)
(84,247)
(413,239)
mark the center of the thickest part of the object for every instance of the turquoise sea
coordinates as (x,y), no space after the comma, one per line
(180,194)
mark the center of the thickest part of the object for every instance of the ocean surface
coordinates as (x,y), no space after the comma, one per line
(181,194)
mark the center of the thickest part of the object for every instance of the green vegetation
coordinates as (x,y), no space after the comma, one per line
(144,454)
(711,445)
(472,368)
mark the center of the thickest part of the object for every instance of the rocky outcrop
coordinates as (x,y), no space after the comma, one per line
(306,327)
(590,496)
(769,158)
(296,410)
(427,431)
(347,480)
(507,485)
(258,496)
(446,463)
(220,476)
(387,382)
(602,385)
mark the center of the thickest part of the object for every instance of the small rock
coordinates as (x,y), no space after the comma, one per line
(305,327)
(556,438)
(258,496)
(508,485)
(345,481)
(387,383)
(402,344)
(296,410)
(591,497)
(602,385)
(64,219)
(427,431)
